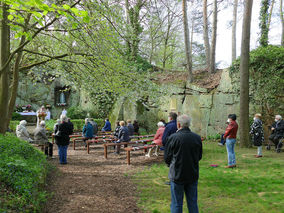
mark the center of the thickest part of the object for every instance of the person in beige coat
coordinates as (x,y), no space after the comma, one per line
(22,132)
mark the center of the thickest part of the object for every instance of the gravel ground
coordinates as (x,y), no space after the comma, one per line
(91,183)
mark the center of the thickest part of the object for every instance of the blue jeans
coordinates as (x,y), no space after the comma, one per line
(177,192)
(62,152)
(230,144)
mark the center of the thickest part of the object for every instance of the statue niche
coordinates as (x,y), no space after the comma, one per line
(61,96)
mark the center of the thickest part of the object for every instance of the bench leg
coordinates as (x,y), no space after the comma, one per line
(73,144)
(88,147)
(105,151)
(128,157)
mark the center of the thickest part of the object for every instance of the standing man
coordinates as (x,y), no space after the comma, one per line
(230,137)
(184,151)
(171,127)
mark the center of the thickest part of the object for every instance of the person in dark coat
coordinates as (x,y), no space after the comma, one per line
(136,127)
(88,131)
(95,126)
(184,151)
(130,128)
(256,130)
(62,139)
(171,127)
(107,126)
(117,128)
(123,136)
(71,124)
(277,130)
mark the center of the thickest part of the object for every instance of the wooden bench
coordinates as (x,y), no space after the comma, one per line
(106,145)
(134,148)
(103,137)
(74,135)
(142,136)
(102,140)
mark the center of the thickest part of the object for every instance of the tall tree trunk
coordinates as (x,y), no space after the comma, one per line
(244,75)
(205,34)
(282,22)
(15,82)
(187,41)
(4,75)
(270,14)
(263,24)
(234,30)
(214,37)
(128,33)
(166,40)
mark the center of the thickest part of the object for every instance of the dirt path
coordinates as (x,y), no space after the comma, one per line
(90,183)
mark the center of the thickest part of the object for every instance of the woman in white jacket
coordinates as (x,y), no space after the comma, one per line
(22,132)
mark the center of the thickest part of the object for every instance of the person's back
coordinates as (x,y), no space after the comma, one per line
(40,135)
(130,129)
(123,134)
(64,130)
(95,127)
(88,130)
(184,154)
(159,135)
(21,131)
(171,127)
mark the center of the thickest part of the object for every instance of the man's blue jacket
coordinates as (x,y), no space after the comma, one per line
(171,128)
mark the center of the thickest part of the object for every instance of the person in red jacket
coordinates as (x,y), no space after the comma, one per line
(230,137)
(157,140)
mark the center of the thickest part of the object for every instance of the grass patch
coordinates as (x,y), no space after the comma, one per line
(23,171)
(256,185)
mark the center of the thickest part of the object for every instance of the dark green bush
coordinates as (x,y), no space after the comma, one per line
(23,170)
(17,116)
(76,113)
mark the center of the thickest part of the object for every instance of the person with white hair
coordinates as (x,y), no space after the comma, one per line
(184,151)
(256,131)
(22,132)
(62,138)
(157,140)
(277,129)
(42,139)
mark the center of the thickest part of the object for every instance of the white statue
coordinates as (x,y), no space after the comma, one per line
(62,98)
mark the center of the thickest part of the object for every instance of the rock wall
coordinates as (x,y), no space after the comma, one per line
(208,109)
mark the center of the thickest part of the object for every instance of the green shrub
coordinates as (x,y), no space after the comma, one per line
(13,125)
(76,113)
(23,171)
(17,116)
(49,124)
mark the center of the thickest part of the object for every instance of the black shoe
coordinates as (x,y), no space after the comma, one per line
(167,183)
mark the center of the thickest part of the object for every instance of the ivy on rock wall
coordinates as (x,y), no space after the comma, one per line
(266,78)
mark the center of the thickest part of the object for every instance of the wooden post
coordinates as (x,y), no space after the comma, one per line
(105,151)
(128,157)
(73,143)
(88,147)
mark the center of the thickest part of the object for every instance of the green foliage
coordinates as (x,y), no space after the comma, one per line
(263,24)
(17,116)
(266,78)
(13,125)
(23,171)
(49,124)
(214,137)
(76,113)
(249,188)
